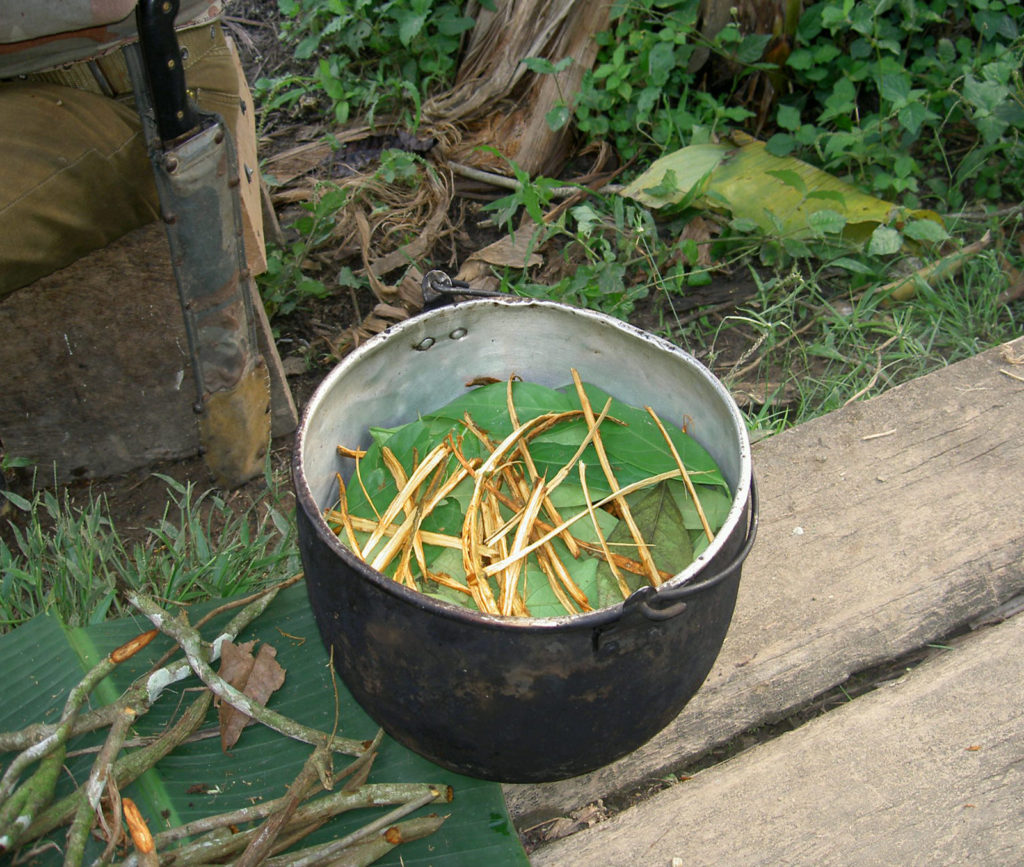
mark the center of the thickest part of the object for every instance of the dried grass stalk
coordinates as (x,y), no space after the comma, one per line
(686,476)
(627,515)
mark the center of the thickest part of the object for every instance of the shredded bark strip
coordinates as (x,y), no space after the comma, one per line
(509,516)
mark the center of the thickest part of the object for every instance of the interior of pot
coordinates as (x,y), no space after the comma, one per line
(426,362)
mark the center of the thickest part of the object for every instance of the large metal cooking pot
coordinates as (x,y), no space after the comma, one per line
(517,699)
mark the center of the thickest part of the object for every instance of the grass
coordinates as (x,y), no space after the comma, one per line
(812,348)
(72,561)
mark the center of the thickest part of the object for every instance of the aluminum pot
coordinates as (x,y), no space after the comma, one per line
(517,699)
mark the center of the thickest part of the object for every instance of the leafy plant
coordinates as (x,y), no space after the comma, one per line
(642,95)
(284,286)
(370,57)
(894,92)
(70,560)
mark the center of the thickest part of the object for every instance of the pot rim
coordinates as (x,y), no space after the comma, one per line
(600,617)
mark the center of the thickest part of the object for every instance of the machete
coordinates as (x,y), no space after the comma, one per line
(196,168)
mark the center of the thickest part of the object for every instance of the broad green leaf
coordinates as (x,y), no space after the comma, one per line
(661,526)
(541,600)
(42,661)
(660,63)
(925,230)
(636,450)
(788,117)
(885,241)
(827,221)
(539,65)
(895,87)
(410,23)
(913,116)
(781,144)
(486,404)
(641,445)
(790,178)
(665,187)
(715,502)
(557,117)
(984,96)
(752,47)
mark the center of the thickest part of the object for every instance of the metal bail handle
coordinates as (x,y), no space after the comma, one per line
(440,289)
(665,604)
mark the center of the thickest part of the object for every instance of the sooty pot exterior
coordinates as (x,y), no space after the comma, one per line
(513,702)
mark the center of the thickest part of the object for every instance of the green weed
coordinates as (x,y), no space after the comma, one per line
(284,286)
(367,58)
(72,561)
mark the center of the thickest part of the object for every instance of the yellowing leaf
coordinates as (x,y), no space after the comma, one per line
(780,195)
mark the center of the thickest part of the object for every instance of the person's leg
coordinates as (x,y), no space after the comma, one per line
(74,176)
(74,172)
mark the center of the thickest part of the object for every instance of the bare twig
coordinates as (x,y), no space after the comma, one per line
(627,515)
(506,183)
(189,641)
(76,698)
(32,734)
(14,817)
(947,266)
(216,845)
(568,522)
(261,844)
(686,476)
(156,680)
(92,791)
(254,605)
(321,854)
(127,768)
(623,586)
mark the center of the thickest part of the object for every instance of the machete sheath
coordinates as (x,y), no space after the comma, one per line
(196,168)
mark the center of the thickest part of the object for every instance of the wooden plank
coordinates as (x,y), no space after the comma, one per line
(927,770)
(884,526)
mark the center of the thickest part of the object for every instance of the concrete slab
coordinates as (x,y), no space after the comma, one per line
(884,526)
(927,770)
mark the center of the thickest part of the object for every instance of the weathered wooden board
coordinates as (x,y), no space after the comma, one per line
(884,526)
(927,770)
(95,368)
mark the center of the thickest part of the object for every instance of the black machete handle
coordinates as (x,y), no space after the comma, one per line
(161,56)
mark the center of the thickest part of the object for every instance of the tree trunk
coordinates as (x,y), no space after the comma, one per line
(502,103)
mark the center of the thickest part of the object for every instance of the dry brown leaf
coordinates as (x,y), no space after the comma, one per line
(509,252)
(701,231)
(257,677)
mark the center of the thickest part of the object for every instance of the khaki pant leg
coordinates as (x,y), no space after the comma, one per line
(74,173)
(74,176)
(217,82)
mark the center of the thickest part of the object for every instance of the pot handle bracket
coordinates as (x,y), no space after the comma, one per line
(439,289)
(658,605)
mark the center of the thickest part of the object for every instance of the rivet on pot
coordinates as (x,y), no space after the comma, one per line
(424,344)
(458,334)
